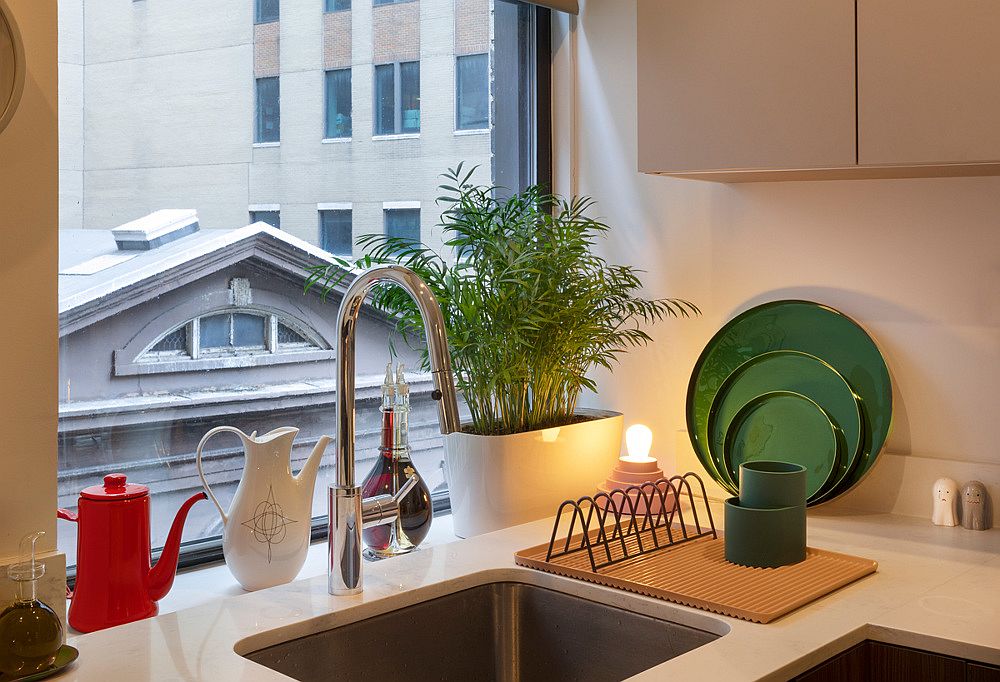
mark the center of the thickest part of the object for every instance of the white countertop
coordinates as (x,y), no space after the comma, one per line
(936,589)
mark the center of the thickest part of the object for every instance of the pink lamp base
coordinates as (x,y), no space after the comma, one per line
(628,473)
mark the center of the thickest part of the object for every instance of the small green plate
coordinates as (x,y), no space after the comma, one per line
(64,657)
(786,370)
(810,328)
(785,426)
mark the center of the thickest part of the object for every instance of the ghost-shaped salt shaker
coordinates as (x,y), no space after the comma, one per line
(945,502)
(975,506)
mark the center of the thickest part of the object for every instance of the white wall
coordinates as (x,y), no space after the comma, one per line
(916,262)
(29,167)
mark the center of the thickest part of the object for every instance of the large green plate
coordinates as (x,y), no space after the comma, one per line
(787,370)
(785,426)
(810,328)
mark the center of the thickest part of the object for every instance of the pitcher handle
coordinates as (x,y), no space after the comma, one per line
(201,473)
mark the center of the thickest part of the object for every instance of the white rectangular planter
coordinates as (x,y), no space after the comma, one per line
(500,481)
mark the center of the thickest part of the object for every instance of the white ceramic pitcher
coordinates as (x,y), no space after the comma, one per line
(265,534)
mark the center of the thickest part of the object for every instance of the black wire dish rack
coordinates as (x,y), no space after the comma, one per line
(626,523)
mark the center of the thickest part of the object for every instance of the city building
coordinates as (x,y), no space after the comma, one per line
(326,118)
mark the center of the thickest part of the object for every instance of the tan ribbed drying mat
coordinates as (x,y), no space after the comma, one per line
(697,574)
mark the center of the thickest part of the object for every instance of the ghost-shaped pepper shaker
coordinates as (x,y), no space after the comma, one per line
(945,502)
(975,506)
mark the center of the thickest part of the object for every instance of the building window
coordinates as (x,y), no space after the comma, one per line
(388,2)
(397,98)
(335,231)
(338,5)
(338,103)
(265,11)
(403,223)
(210,339)
(268,110)
(272,218)
(472,88)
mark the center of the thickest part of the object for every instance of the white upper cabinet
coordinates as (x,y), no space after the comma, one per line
(745,84)
(784,89)
(928,81)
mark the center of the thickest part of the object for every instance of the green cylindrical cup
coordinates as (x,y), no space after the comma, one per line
(772,485)
(765,538)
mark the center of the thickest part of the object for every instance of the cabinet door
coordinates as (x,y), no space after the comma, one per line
(980,672)
(732,84)
(928,81)
(891,663)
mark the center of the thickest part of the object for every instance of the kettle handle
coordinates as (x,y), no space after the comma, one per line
(201,473)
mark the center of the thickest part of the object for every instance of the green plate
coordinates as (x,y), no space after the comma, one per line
(810,328)
(64,657)
(785,426)
(792,371)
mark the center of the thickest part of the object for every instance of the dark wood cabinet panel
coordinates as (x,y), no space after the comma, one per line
(850,665)
(878,662)
(977,672)
(899,664)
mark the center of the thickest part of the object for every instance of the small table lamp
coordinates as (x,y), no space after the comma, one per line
(635,468)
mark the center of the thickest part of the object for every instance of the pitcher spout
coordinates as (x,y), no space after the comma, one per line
(307,475)
(161,576)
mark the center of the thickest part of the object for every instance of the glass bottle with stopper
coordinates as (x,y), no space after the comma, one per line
(30,631)
(393,467)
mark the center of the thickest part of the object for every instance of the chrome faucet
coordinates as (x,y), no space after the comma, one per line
(348,512)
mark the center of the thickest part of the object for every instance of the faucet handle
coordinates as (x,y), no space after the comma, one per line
(381,509)
(404,490)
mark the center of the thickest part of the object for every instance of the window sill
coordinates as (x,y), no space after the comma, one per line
(262,145)
(201,585)
(337,140)
(473,131)
(219,362)
(399,136)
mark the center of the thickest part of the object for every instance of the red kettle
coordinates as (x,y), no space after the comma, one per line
(115,580)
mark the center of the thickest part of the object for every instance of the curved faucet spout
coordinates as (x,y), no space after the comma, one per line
(346,515)
(437,349)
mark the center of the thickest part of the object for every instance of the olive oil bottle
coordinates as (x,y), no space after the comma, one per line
(30,632)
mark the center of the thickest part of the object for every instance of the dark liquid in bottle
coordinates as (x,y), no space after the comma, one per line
(415,510)
(30,637)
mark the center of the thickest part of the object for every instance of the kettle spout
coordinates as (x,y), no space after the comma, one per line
(161,577)
(307,474)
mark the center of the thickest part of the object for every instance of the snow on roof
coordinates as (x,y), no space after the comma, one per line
(113,278)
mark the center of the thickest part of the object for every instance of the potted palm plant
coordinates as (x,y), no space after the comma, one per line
(530,309)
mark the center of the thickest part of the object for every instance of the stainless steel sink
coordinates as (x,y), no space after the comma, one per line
(506,631)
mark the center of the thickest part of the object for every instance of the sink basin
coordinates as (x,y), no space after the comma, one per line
(506,631)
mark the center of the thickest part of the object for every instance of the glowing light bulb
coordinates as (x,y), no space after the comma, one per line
(638,441)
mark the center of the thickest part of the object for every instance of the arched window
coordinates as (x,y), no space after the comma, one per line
(243,334)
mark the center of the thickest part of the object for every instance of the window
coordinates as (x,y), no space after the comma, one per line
(205,342)
(338,103)
(335,231)
(397,98)
(268,110)
(272,218)
(472,85)
(403,223)
(265,11)
(158,346)
(388,2)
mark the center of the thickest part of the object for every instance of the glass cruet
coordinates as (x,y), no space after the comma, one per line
(30,631)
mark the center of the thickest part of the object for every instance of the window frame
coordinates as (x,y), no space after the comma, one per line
(195,553)
(398,207)
(397,101)
(326,103)
(258,129)
(321,210)
(257,19)
(458,90)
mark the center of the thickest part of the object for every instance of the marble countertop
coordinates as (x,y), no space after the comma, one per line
(936,589)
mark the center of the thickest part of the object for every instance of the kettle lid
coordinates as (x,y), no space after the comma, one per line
(115,488)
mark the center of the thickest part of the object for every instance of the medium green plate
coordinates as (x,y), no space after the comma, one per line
(810,328)
(789,371)
(785,426)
